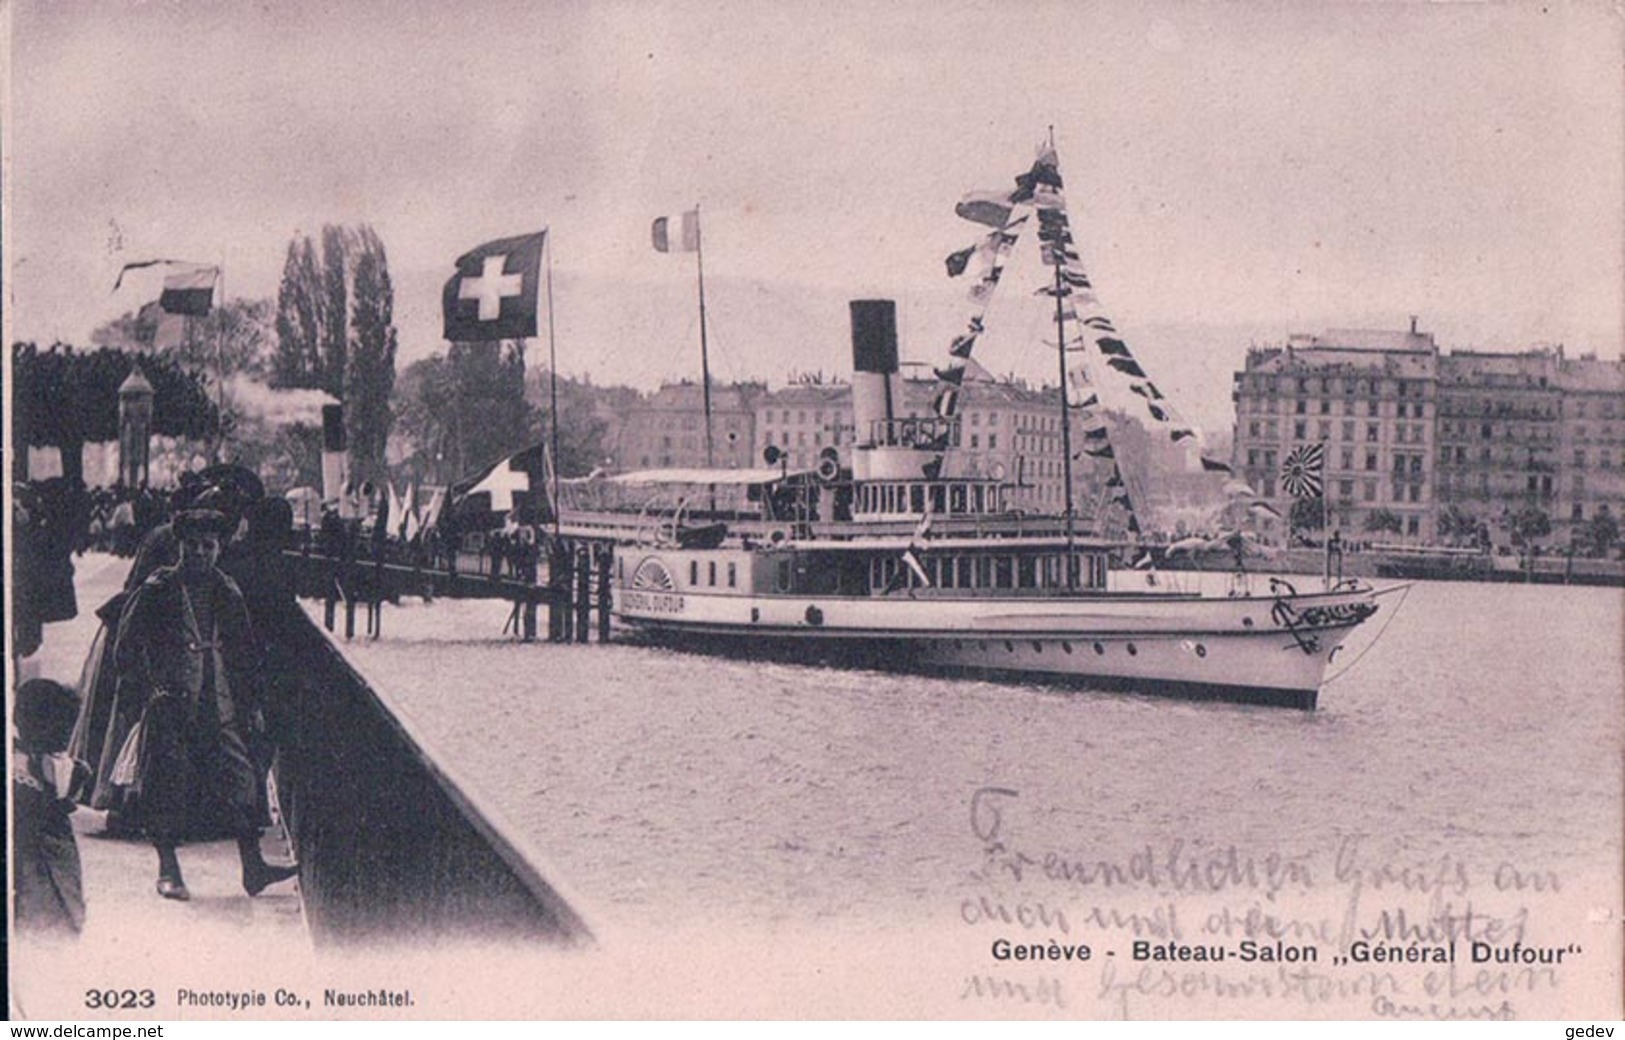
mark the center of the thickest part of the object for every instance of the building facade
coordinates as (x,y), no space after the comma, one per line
(667,429)
(1427,440)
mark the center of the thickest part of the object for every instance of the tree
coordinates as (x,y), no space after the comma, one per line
(465,409)
(298,358)
(66,397)
(335,308)
(1307,514)
(1600,533)
(235,339)
(1379,520)
(422,408)
(1457,524)
(1528,524)
(335,331)
(581,429)
(369,377)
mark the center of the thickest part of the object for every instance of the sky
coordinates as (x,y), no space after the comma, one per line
(1235,171)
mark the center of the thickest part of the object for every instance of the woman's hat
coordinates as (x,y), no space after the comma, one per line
(191,523)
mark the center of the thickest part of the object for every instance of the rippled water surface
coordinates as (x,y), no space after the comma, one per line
(1482,733)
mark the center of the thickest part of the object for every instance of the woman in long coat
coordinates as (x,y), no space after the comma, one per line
(187,654)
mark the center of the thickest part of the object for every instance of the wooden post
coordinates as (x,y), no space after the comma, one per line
(606,561)
(567,580)
(558,584)
(583,593)
(530,617)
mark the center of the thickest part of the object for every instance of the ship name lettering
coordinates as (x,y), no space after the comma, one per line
(1277,952)
(1362,952)
(653,602)
(1518,953)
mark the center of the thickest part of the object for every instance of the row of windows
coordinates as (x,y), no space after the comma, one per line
(1404,433)
(1336,385)
(711,574)
(913,498)
(991,572)
(1399,492)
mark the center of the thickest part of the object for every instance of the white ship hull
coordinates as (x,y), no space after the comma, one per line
(1255,649)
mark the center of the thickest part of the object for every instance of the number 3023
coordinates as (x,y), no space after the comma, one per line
(118,999)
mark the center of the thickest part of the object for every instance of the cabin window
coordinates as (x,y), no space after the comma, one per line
(977,499)
(1026,572)
(956,499)
(1003,572)
(733,575)
(694,572)
(984,572)
(950,575)
(712,575)
(939,498)
(916,495)
(782,578)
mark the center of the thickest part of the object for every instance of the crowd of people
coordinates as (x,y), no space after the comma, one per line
(182,699)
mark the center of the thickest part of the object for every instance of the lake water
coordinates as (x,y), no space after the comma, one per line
(1462,781)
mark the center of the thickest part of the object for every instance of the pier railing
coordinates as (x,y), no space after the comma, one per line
(392,843)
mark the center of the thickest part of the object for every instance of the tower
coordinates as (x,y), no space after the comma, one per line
(134,428)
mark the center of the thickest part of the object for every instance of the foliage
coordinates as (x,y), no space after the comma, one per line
(235,339)
(66,397)
(1308,514)
(1528,524)
(1599,534)
(1379,520)
(335,308)
(582,430)
(298,358)
(1457,524)
(335,331)
(369,377)
(465,409)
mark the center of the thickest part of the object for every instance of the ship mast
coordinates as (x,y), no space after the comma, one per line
(705,355)
(1066,421)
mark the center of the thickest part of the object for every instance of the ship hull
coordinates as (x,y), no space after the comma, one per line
(1251,650)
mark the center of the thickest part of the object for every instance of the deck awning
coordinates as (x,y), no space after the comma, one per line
(702,477)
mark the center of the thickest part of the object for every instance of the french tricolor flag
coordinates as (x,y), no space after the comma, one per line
(688,238)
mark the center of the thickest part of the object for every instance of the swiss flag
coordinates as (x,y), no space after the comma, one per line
(493,295)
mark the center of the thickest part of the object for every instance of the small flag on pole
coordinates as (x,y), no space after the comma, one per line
(688,240)
(514,485)
(189,292)
(493,294)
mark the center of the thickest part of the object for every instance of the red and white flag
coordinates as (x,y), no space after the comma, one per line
(493,295)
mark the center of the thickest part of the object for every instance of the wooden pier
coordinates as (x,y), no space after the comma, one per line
(572,583)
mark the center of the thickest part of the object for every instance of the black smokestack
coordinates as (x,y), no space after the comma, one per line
(874,336)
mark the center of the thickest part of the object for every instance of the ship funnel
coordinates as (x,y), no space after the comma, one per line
(874,336)
(874,363)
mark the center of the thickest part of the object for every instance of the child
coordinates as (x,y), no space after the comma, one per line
(49,882)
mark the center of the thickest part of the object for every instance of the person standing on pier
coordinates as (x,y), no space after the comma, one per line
(48,888)
(186,650)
